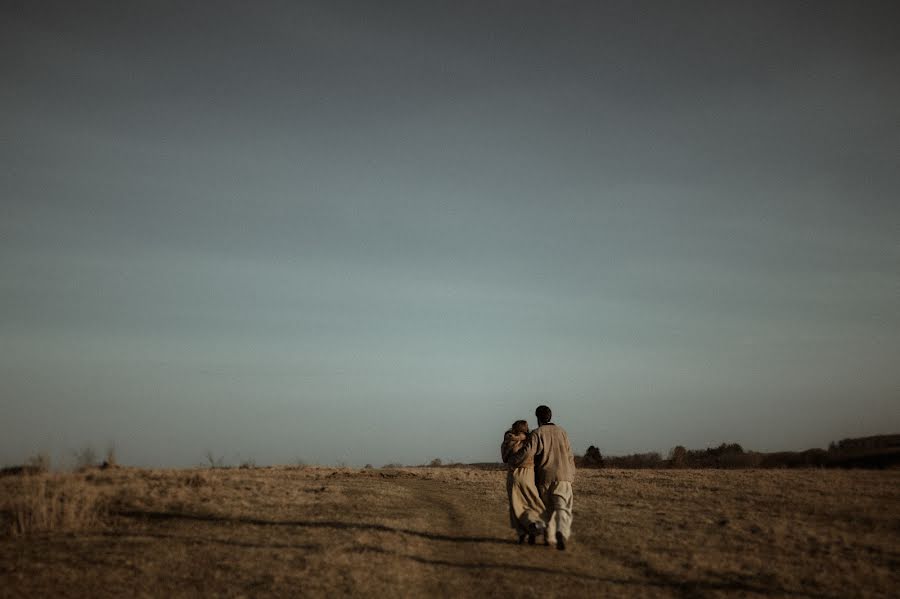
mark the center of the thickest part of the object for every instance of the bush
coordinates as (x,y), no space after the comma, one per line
(811,458)
(750,459)
(85,457)
(197,479)
(39,462)
(110,461)
(726,455)
(214,462)
(36,464)
(592,458)
(55,504)
(635,460)
(678,457)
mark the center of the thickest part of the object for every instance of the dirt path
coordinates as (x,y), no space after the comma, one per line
(482,552)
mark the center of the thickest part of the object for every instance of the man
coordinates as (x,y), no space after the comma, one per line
(554,469)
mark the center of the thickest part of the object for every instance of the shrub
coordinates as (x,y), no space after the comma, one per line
(39,462)
(196,480)
(36,464)
(635,460)
(592,458)
(85,457)
(811,458)
(678,456)
(55,504)
(110,461)
(214,462)
(749,459)
(726,455)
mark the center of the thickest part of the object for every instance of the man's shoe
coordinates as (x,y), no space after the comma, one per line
(522,538)
(530,540)
(560,541)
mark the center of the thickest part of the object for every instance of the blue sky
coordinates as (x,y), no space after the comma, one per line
(338,232)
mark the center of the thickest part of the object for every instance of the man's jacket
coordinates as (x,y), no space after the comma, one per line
(549,446)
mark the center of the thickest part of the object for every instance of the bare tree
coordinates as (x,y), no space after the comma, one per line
(213,461)
(85,457)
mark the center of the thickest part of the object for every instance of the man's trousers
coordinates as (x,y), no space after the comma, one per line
(557,497)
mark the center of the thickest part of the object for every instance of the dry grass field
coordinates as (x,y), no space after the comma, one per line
(414,532)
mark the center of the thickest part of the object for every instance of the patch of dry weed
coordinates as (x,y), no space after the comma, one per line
(54,503)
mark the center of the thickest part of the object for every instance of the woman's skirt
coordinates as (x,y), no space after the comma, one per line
(525,505)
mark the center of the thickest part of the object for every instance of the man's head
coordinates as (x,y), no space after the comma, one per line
(543,414)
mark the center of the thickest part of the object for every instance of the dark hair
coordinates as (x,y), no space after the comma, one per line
(543,414)
(520,426)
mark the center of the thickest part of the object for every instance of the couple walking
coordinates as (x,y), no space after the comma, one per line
(539,480)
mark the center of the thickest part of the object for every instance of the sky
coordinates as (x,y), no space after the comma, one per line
(359,232)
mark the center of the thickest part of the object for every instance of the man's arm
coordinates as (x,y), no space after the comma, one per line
(571,453)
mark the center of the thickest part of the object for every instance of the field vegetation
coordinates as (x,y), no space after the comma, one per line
(442,531)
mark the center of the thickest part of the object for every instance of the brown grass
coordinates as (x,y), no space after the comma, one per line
(53,503)
(326,532)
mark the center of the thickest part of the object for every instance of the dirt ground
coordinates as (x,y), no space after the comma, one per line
(443,531)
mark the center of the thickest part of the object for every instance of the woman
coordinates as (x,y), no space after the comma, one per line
(525,505)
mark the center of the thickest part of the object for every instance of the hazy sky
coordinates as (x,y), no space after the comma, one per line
(382,231)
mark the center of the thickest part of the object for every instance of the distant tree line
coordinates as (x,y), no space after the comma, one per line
(881,451)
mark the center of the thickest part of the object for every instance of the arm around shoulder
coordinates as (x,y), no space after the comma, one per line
(526,452)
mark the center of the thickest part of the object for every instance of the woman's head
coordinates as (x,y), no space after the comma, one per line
(520,426)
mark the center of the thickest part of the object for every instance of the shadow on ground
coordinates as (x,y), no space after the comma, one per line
(648,576)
